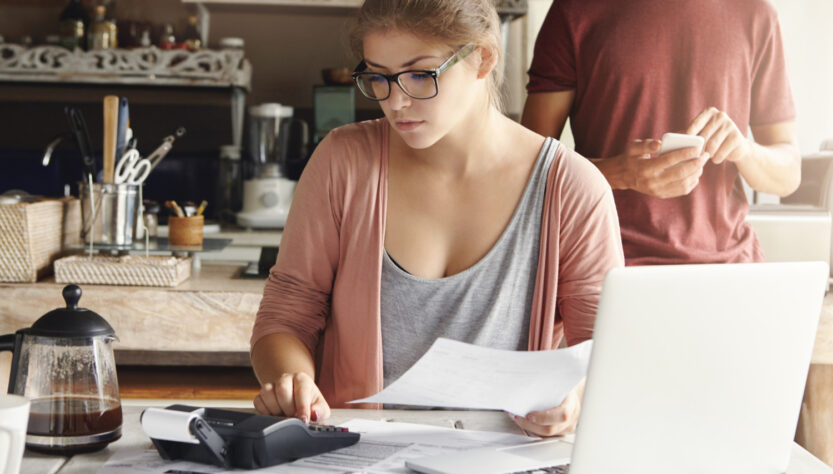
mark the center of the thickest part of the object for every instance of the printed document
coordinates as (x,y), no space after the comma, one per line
(383,448)
(454,374)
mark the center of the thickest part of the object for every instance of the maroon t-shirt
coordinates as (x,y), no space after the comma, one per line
(641,68)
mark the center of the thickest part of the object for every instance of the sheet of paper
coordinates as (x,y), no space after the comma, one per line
(454,374)
(383,448)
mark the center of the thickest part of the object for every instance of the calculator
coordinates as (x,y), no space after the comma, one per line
(231,438)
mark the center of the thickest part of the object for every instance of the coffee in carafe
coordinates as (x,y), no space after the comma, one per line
(84,424)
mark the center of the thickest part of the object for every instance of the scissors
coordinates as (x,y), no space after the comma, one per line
(131,169)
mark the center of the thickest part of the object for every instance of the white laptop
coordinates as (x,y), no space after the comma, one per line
(694,369)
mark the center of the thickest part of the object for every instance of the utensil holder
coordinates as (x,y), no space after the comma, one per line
(109,213)
(185,230)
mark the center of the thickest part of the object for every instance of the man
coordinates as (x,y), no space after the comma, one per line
(628,71)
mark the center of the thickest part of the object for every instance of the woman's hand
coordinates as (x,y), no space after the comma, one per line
(555,421)
(293,395)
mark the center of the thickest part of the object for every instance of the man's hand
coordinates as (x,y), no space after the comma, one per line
(724,141)
(555,421)
(293,395)
(669,175)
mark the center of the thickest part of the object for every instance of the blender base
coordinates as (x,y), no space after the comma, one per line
(271,219)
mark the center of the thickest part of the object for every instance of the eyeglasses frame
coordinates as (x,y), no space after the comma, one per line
(433,73)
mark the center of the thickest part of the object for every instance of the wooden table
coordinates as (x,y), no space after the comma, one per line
(802,462)
(815,424)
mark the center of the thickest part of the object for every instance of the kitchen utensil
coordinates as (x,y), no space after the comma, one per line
(78,128)
(109,213)
(47,154)
(121,128)
(164,148)
(65,365)
(111,117)
(132,169)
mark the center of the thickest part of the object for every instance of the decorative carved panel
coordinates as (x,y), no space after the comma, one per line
(144,66)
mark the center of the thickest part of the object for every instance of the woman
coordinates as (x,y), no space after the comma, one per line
(445,218)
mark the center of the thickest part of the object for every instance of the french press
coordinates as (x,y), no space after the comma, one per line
(65,365)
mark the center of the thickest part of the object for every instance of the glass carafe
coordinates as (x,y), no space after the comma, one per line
(65,365)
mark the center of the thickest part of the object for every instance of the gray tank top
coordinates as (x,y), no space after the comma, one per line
(487,304)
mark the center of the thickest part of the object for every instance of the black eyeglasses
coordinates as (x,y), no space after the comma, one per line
(416,83)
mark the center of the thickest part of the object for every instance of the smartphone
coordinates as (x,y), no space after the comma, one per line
(675,141)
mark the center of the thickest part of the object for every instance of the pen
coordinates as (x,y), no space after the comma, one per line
(175,207)
(202,207)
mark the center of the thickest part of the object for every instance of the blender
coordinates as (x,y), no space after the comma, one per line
(267,195)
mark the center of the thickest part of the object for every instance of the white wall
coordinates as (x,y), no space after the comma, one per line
(806,25)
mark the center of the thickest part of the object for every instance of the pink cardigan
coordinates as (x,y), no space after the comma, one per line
(327,276)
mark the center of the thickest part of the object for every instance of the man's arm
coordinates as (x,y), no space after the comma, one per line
(775,164)
(770,164)
(547,112)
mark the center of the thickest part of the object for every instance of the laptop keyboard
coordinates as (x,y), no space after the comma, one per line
(562,469)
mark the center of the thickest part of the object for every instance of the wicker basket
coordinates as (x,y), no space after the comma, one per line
(31,236)
(126,270)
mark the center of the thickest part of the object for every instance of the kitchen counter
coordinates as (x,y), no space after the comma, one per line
(206,320)
(212,312)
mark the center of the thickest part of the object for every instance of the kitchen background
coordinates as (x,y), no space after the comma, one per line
(288,43)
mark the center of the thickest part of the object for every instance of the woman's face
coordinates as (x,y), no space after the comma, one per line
(422,122)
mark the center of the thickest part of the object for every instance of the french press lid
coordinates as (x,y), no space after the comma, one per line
(72,321)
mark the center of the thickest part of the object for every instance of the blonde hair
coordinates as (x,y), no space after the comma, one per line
(453,22)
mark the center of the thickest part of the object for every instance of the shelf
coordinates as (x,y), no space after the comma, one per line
(224,68)
(512,8)
(292,3)
(160,244)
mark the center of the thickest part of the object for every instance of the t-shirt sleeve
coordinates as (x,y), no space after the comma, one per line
(590,245)
(772,99)
(553,65)
(296,298)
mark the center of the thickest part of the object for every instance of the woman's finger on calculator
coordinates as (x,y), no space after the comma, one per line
(320,409)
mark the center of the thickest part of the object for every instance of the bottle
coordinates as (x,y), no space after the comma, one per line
(229,194)
(167,40)
(113,31)
(144,41)
(110,10)
(101,32)
(72,26)
(193,40)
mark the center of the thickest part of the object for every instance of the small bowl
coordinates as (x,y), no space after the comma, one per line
(334,76)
